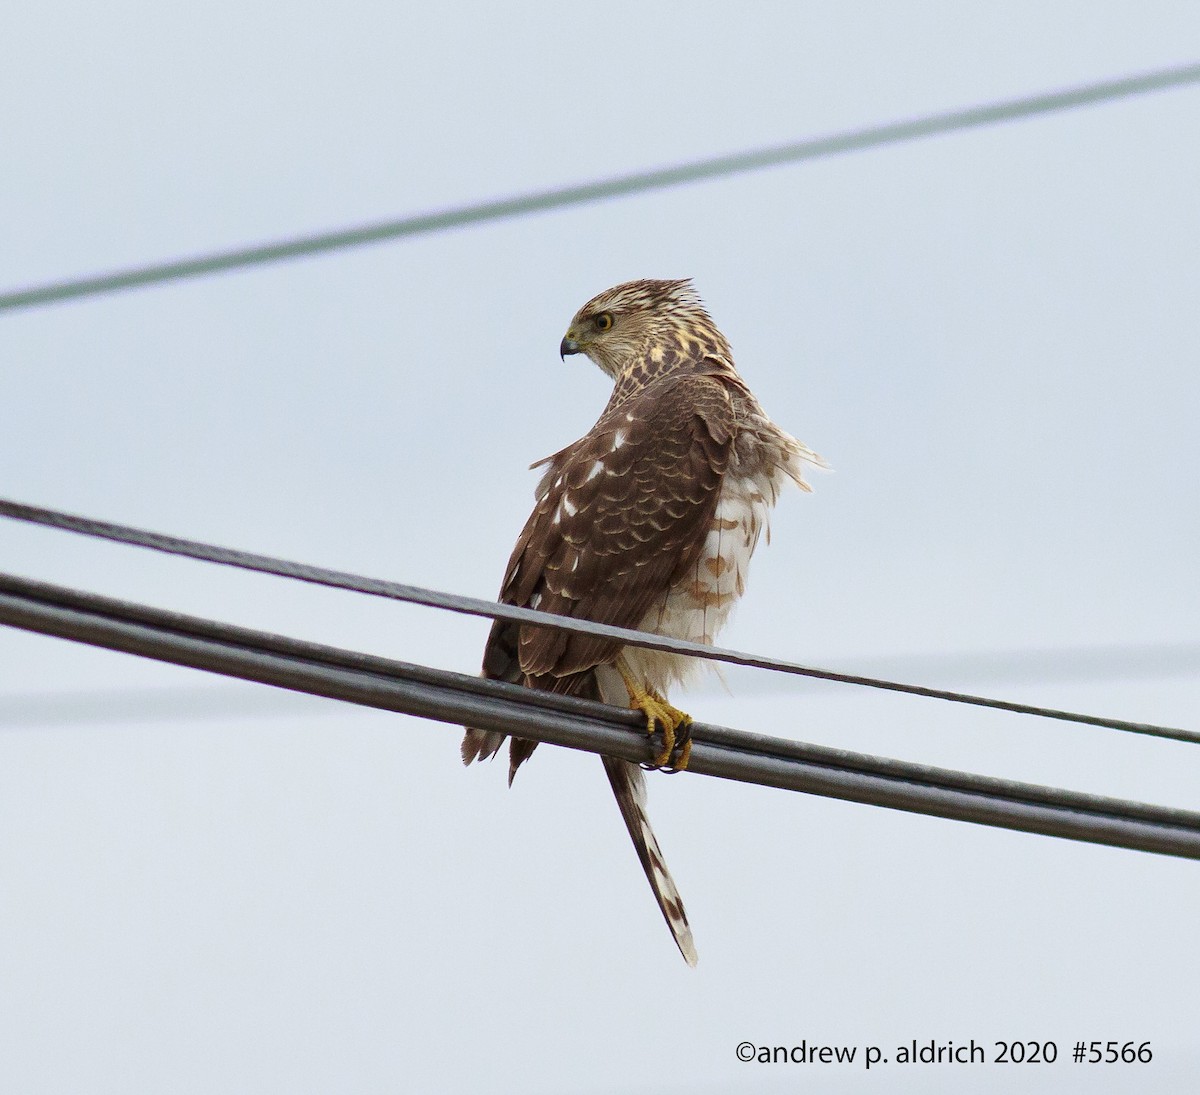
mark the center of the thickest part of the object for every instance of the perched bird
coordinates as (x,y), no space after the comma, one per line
(648,521)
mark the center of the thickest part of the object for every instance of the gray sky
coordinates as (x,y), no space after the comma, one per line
(992,337)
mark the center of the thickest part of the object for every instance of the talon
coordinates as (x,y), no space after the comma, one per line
(659,715)
(683,745)
(675,725)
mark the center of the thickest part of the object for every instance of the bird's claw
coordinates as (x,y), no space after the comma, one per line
(676,729)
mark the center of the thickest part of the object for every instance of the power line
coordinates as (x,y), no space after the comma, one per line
(638,182)
(472,606)
(376,682)
(157,703)
(1115,661)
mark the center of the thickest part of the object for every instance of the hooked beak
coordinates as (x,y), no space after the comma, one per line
(567,346)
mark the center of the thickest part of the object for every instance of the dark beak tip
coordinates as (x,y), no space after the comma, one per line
(567,346)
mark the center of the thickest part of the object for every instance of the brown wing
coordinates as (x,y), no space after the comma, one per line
(622,517)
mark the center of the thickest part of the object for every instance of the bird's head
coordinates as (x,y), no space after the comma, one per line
(623,325)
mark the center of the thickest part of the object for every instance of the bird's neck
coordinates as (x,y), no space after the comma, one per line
(680,350)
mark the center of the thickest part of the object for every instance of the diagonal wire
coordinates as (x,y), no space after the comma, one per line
(372,681)
(158,703)
(620,186)
(472,606)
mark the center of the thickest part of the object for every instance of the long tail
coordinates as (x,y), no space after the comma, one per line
(629,785)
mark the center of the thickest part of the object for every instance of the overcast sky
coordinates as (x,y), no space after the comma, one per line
(992,337)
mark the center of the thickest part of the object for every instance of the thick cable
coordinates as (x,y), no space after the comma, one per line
(371,681)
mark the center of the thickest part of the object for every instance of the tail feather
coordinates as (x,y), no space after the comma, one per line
(628,782)
(629,786)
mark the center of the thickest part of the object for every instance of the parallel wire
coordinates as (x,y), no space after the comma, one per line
(265,564)
(493,705)
(620,186)
(190,703)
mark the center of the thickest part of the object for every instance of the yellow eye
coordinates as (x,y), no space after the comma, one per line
(603,321)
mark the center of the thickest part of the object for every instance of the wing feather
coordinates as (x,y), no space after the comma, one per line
(621,517)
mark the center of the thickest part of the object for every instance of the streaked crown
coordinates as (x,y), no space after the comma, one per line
(640,330)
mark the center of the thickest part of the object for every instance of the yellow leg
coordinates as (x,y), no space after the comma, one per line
(661,715)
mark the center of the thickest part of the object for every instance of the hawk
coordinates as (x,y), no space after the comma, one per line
(648,521)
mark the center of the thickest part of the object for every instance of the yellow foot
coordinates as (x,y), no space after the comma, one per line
(675,726)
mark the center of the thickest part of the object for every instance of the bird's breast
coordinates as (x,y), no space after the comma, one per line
(698,605)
